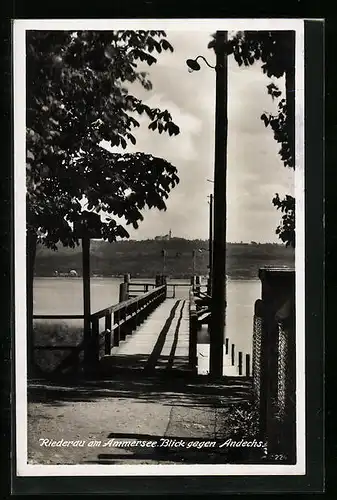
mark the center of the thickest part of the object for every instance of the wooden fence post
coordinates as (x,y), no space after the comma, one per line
(116,329)
(122,329)
(107,342)
(127,282)
(247,365)
(123,292)
(240,363)
(197,284)
(95,344)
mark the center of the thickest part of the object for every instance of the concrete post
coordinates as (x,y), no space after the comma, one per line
(278,297)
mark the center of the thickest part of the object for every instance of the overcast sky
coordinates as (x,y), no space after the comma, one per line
(255,171)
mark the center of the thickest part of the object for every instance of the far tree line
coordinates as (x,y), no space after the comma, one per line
(146,259)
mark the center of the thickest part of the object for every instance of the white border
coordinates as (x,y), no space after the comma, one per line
(300,247)
(209,25)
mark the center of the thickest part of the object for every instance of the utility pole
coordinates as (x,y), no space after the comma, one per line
(217,323)
(193,262)
(210,245)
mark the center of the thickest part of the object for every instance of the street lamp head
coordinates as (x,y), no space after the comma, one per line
(193,65)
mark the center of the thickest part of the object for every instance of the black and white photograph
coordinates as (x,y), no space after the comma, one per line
(159,247)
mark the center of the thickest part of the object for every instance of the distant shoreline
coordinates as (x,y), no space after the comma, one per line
(134,278)
(180,259)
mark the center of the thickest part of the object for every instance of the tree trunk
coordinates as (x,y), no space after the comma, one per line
(30,263)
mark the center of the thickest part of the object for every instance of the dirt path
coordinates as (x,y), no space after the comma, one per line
(93,418)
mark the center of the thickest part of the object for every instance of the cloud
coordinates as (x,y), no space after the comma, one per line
(255,171)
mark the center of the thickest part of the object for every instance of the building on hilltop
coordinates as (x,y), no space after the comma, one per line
(165,237)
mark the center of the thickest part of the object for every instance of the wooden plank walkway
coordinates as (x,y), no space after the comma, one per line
(161,343)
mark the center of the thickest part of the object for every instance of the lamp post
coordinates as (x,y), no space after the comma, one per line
(210,246)
(217,324)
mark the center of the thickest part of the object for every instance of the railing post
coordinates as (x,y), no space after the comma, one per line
(95,345)
(240,363)
(226,345)
(233,354)
(127,283)
(123,292)
(140,312)
(247,365)
(197,284)
(107,340)
(123,327)
(116,329)
(137,318)
(158,298)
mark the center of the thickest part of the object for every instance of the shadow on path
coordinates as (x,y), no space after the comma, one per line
(166,390)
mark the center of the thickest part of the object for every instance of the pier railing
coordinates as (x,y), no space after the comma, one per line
(119,320)
(173,288)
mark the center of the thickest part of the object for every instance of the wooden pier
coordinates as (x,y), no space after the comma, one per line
(163,331)
(157,328)
(160,343)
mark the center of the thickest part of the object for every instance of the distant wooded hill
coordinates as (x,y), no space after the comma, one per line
(144,258)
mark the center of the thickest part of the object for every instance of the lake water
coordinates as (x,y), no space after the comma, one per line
(64,296)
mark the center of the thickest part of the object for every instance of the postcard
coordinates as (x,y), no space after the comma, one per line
(159,187)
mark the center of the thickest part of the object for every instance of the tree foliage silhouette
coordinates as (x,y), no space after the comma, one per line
(276,51)
(78,95)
